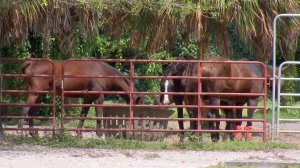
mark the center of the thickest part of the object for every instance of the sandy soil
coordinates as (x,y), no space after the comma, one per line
(40,157)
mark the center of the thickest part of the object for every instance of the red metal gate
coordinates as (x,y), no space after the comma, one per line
(199,78)
(53,118)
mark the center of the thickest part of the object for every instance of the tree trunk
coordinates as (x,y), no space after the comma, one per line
(66,40)
(1,127)
(203,50)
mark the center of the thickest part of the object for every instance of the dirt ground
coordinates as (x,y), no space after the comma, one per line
(40,157)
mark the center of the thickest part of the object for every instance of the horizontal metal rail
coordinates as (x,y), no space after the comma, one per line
(162,119)
(289,107)
(165,106)
(26,117)
(24,104)
(53,118)
(24,76)
(167,61)
(288,119)
(288,131)
(289,94)
(25,91)
(162,130)
(160,93)
(162,77)
(28,129)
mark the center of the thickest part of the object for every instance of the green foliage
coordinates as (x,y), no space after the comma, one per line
(240,48)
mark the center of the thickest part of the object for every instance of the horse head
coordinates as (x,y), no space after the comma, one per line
(167,85)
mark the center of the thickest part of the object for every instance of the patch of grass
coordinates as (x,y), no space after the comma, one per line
(64,138)
(36,122)
(87,123)
(219,165)
(233,145)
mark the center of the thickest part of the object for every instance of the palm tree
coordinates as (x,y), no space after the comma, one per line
(153,23)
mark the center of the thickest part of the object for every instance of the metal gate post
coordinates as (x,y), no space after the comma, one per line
(274,67)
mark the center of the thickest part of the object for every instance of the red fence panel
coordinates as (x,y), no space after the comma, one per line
(53,118)
(199,78)
(130,105)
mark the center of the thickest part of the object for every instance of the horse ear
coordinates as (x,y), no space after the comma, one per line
(284,68)
(159,73)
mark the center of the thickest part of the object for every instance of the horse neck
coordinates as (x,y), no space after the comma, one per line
(125,97)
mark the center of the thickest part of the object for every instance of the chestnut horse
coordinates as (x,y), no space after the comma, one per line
(75,84)
(230,86)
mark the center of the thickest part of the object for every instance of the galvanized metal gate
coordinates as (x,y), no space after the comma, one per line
(275,77)
(285,94)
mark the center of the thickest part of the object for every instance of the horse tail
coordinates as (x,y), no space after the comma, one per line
(24,66)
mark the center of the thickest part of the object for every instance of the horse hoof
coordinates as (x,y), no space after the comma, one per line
(182,138)
(215,140)
(31,133)
(248,136)
(238,135)
(225,137)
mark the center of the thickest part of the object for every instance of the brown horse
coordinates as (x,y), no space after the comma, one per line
(177,85)
(75,84)
(230,86)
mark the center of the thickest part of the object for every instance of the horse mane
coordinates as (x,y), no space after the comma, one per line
(185,57)
(115,70)
(24,66)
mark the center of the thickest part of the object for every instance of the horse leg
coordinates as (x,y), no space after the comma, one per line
(99,114)
(194,124)
(238,124)
(178,101)
(222,103)
(251,102)
(32,112)
(215,137)
(31,99)
(84,111)
(229,124)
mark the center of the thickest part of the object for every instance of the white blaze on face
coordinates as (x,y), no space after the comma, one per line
(166,97)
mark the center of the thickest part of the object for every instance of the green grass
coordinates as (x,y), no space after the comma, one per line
(87,123)
(284,113)
(64,138)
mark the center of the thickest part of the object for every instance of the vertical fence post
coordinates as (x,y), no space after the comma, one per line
(199,96)
(265,104)
(1,128)
(54,100)
(62,93)
(130,96)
